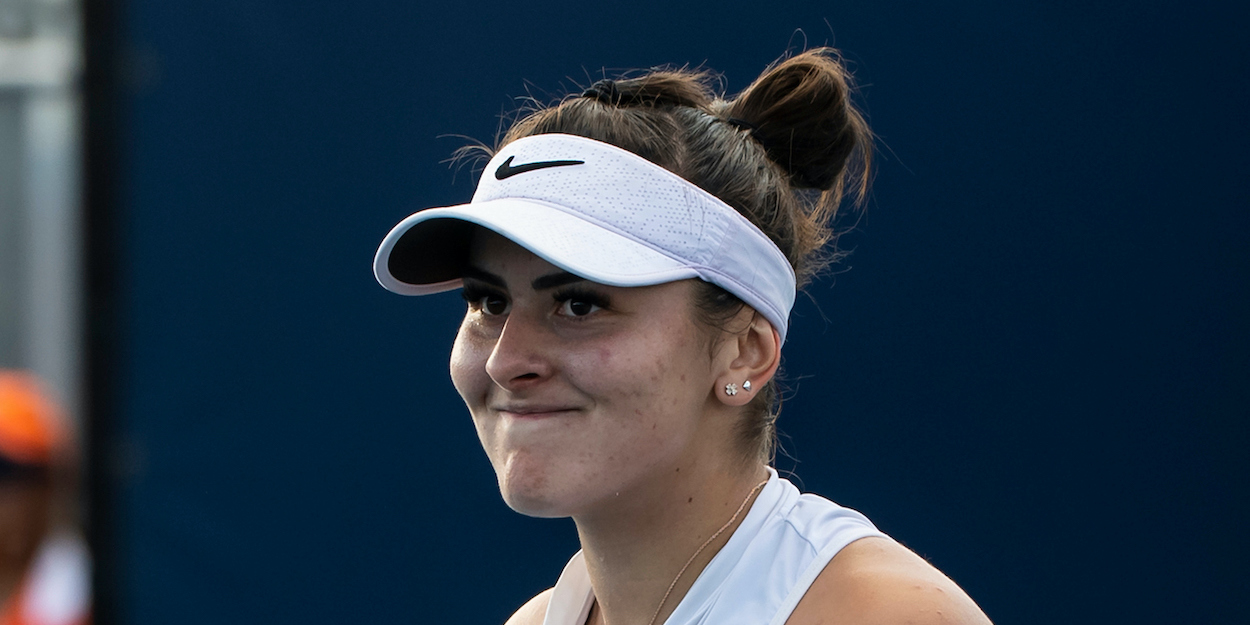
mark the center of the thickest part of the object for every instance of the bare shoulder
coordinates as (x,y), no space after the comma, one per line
(534,610)
(876,581)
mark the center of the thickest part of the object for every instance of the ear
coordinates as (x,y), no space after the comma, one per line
(751,359)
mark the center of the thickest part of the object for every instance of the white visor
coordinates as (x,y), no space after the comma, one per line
(599,212)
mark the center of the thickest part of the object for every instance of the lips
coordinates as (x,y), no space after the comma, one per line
(533,411)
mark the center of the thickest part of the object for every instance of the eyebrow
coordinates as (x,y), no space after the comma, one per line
(484,276)
(549,281)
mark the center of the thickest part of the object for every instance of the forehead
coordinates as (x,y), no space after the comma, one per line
(491,251)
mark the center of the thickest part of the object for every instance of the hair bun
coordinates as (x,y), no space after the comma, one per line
(803,117)
(604,91)
(657,88)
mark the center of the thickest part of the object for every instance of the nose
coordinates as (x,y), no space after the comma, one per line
(520,356)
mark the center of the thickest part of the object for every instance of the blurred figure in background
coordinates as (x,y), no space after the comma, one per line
(45,567)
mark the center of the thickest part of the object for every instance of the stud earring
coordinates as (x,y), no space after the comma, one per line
(746,386)
(731,389)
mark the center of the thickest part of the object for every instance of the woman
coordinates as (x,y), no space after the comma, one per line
(629,260)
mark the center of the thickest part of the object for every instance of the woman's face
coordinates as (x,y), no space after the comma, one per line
(580,392)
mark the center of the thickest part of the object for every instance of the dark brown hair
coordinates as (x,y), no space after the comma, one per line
(783,153)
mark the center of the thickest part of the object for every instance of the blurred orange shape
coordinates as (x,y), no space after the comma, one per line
(31,425)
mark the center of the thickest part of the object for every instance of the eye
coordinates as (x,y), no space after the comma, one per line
(577,308)
(575,303)
(493,305)
(489,303)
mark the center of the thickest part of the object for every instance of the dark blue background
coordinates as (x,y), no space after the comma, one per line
(1035,375)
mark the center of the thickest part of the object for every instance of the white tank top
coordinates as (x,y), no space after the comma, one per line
(758,577)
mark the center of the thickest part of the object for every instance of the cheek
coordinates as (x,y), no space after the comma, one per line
(468,365)
(656,382)
(468,375)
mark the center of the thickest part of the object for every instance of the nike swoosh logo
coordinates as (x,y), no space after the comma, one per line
(506,170)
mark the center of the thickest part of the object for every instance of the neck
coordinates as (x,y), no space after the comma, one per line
(635,550)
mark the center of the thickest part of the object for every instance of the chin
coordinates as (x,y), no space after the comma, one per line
(531,492)
(532,503)
(533,507)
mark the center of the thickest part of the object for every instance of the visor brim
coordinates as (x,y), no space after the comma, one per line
(427,252)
